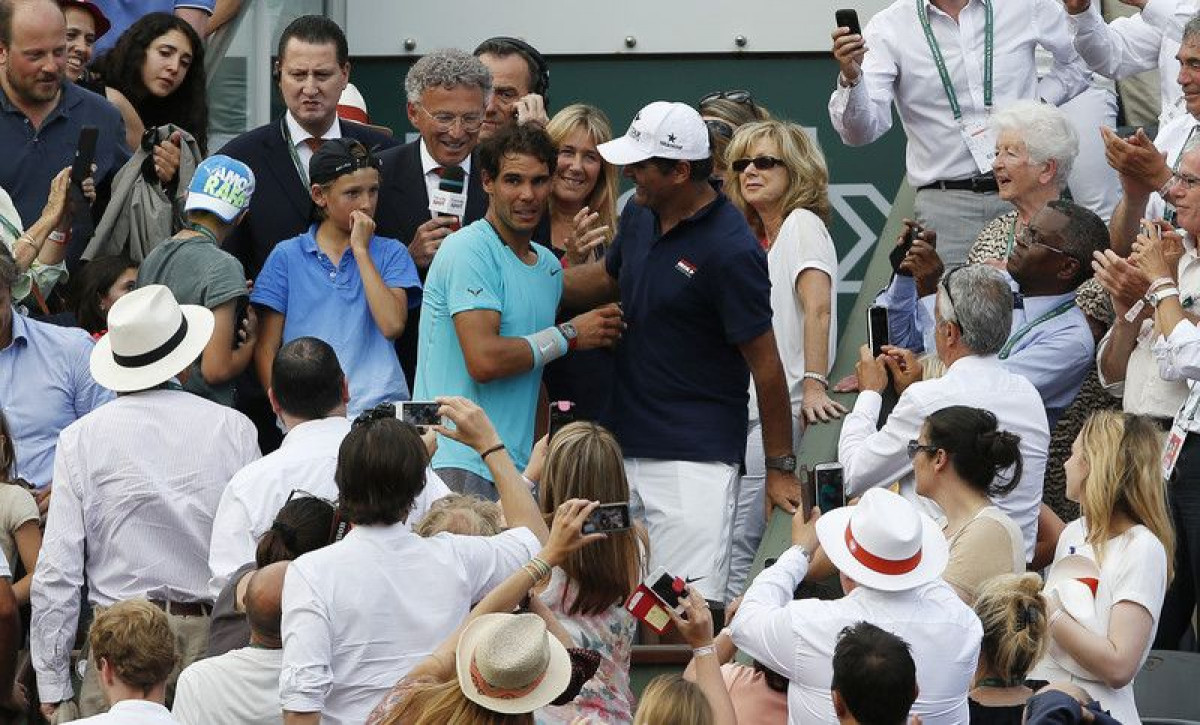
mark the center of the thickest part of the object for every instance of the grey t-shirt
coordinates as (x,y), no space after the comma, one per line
(198,273)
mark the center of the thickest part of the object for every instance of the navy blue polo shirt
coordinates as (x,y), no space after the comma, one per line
(32,157)
(690,297)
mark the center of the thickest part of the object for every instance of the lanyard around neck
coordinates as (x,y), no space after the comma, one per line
(940,61)
(1025,329)
(287,136)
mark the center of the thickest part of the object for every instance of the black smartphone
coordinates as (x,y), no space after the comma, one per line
(608,517)
(831,491)
(241,313)
(85,154)
(848,18)
(668,588)
(877,329)
(900,251)
(562,412)
(420,412)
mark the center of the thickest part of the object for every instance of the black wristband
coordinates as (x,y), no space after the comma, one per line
(490,451)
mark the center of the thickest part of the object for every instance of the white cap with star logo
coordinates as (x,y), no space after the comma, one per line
(664,130)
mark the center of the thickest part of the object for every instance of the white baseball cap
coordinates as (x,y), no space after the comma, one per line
(663,129)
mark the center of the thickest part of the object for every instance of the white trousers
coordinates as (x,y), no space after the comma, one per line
(687,508)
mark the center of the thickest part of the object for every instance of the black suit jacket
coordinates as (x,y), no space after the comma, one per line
(280,207)
(403,200)
(404,206)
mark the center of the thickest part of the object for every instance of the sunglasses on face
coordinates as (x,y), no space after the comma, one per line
(914,446)
(762,163)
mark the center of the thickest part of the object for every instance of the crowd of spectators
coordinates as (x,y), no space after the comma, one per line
(217,504)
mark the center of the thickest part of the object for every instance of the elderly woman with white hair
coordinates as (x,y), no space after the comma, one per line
(1036,146)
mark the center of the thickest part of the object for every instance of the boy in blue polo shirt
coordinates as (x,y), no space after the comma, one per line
(339,282)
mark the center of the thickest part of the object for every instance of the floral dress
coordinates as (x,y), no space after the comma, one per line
(607,697)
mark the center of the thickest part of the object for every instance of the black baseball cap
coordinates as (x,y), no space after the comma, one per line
(338,157)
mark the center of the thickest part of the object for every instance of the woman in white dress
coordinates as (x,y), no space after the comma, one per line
(1114,473)
(778,178)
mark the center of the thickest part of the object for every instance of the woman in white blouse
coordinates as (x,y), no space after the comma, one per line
(1114,473)
(777,177)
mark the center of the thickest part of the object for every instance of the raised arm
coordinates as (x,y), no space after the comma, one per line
(474,429)
(389,307)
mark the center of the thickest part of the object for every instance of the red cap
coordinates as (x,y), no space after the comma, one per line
(102,24)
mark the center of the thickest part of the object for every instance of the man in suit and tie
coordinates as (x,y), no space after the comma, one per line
(448,92)
(313,69)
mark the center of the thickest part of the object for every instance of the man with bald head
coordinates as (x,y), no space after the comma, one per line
(41,114)
(247,678)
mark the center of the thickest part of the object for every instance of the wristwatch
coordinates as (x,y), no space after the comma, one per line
(568,331)
(787,463)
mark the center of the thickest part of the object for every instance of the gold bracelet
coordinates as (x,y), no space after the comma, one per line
(28,240)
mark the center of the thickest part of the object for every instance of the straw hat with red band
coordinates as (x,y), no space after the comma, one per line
(510,663)
(884,542)
(98,16)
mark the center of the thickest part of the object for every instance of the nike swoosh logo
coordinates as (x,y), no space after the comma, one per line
(475,292)
(554,272)
(544,349)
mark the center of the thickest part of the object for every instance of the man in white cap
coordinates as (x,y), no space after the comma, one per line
(693,285)
(890,559)
(137,482)
(199,272)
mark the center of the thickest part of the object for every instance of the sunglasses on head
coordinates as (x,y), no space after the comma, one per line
(737,96)
(722,129)
(337,527)
(762,163)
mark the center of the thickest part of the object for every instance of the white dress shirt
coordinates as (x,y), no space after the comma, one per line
(136,484)
(359,614)
(1055,354)
(306,461)
(796,638)
(429,167)
(240,686)
(299,136)
(1143,391)
(899,67)
(880,457)
(1178,356)
(1146,40)
(133,712)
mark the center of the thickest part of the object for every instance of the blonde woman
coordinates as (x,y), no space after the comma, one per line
(1013,614)
(584,192)
(587,591)
(782,187)
(581,223)
(1114,474)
